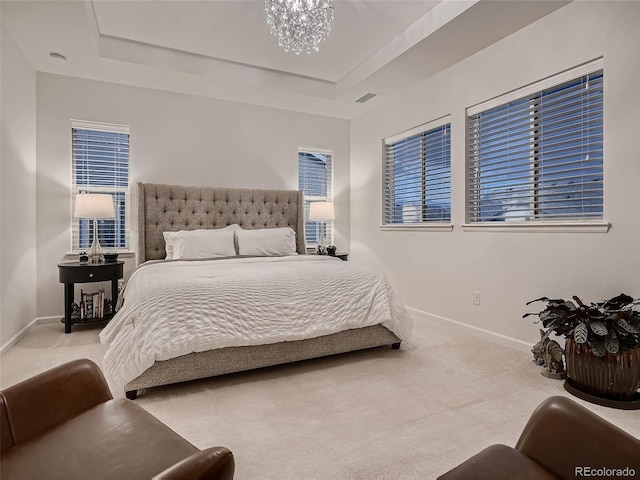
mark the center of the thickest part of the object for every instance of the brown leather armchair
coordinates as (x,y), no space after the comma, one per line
(562,440)
(64,424)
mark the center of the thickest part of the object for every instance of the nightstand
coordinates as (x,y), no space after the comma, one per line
(76,272)
(342,256)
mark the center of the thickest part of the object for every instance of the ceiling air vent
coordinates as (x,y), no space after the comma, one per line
(366,97)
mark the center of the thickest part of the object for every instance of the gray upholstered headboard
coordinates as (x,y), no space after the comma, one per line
(164,208)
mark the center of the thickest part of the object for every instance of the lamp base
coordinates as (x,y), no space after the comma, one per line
(95,252)
(96,258)
(322,248)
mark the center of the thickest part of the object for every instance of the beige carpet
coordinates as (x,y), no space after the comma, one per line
(378,414)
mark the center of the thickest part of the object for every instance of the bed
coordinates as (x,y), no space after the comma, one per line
(131,364)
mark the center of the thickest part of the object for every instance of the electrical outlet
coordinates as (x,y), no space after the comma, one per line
(475,297)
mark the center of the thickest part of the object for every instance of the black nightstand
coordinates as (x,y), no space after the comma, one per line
(342,256)
(76,272)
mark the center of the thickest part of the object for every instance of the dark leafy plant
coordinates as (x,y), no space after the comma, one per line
(611,326)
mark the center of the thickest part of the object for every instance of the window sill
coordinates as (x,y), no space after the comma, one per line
(121,254)
(417,227)
(602,227)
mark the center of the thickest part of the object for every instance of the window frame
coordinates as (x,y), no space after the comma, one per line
(122,206)
(308,199)
(420,132)
(536,221)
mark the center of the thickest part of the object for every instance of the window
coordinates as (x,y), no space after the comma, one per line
(315,178)
(100,164)
(417,169)
(538,156)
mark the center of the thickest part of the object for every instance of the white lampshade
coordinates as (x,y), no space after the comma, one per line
(94,205)
(321,211)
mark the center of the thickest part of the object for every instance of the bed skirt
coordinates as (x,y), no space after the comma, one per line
(237,359)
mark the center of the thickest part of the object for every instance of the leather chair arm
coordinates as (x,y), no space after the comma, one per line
(49,399)
(562,436)
(498,462)
(215,463)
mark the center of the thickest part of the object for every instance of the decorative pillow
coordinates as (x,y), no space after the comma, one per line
(204,244)
(267,241)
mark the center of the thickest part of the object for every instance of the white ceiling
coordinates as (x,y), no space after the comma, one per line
(223,49)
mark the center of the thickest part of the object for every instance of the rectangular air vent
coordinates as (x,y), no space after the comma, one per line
(366,97)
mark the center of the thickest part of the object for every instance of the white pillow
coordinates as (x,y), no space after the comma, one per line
(174,243)
(266,241)
(204,244)
(170,240)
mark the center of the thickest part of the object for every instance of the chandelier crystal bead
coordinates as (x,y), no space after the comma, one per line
(299,25)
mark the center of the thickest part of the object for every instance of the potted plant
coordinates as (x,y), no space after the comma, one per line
(602,349)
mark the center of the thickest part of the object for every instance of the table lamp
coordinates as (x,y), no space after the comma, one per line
(96,206)
(322,211)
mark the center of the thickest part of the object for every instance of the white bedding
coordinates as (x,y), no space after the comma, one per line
(177,307)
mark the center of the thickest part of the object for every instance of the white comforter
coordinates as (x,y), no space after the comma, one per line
(177,307)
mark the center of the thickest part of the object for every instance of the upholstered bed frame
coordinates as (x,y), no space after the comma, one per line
(170,208)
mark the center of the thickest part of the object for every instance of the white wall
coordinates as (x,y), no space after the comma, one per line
(17,190)
(175,139)
(435,272)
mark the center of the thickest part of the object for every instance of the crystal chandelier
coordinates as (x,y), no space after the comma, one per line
(300,25)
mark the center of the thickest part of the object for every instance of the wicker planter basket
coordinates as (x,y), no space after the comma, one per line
(615,377)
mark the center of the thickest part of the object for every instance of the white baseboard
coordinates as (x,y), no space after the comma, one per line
(486,334)
(13,340)
(52,319)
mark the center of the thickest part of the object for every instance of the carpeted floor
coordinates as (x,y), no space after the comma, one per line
(378,414)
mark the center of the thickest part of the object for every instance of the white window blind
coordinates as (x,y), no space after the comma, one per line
(540,156)
(100,164)
(315,179)
(417,169)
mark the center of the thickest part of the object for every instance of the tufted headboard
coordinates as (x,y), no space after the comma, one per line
(163,208)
